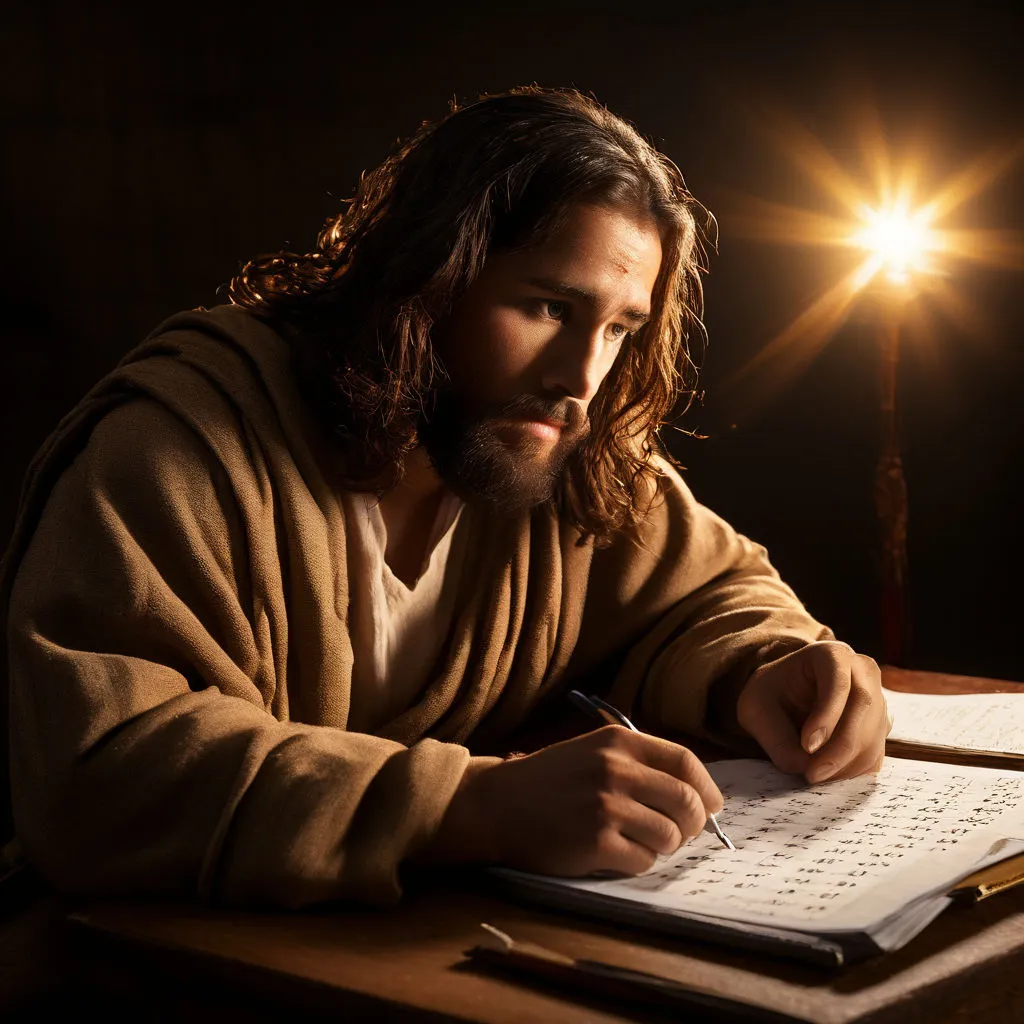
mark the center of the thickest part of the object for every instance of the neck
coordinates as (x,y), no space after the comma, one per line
(420,481)
(409,511)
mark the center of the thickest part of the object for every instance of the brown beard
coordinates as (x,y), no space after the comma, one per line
(480,467)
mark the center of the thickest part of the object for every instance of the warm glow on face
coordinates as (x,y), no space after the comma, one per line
(900,240)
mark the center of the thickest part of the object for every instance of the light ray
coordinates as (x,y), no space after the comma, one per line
(807,153)
(973,179)
(798,344)
(995,247)
(766,221)
(874,150)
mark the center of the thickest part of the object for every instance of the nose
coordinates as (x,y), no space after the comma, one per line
(578,362)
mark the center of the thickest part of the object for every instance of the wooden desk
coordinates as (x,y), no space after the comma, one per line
(940,682)
(407,963)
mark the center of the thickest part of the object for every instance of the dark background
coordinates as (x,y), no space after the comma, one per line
(145,155)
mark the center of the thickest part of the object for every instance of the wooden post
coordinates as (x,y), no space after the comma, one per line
(891,506)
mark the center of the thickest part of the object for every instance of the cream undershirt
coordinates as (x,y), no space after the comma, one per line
(397,630)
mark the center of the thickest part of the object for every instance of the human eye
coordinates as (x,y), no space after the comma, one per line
(554,309)
(619,333)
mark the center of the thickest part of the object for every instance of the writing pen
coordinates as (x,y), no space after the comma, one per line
(603,710)
(604,979)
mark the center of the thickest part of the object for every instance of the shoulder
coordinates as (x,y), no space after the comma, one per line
(668,504)
(222,323)
(140,438)
(674,525)
(669,484)
(139,465)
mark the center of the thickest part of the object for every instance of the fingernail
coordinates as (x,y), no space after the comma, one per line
(823,771)
(816,740)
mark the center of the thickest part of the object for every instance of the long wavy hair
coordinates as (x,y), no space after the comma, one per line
(494,175)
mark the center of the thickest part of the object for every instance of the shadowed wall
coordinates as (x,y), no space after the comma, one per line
(146,155)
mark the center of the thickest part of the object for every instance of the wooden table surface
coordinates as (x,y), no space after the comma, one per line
(372,964)
(407,963)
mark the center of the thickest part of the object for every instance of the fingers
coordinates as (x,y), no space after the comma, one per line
(828,668)
(857,744)
(818,711)
(677,764)
(656,793)
(619,854)
(775,731)
(656,831)
(679,810)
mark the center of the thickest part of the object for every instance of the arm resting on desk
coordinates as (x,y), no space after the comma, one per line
(699,607)
(727,651)
(149,750)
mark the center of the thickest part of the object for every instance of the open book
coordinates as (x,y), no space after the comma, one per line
(834,872)
(981,726)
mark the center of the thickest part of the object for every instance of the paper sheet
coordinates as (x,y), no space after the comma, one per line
(976,721)
(834,856)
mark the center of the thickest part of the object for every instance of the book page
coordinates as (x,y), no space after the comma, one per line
(975,721)
(833,856)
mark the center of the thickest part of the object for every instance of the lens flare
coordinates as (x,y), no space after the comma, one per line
(898,227)
(899,239)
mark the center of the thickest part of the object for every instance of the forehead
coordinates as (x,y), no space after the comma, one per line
(602,248)
(623,237)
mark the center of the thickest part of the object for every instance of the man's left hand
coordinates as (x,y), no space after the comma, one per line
(818,712)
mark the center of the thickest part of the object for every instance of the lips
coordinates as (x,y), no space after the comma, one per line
(545,430)
(549,430)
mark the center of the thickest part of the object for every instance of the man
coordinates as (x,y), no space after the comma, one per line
(284,575)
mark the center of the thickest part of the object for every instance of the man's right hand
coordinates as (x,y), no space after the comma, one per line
(610,800)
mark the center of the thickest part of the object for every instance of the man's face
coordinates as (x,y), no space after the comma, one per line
(527,348)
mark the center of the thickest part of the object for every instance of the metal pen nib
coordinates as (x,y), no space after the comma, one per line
(726,841)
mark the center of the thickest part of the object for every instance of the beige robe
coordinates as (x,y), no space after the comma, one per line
(179,659)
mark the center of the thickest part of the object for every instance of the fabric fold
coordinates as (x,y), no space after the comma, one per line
(176,604)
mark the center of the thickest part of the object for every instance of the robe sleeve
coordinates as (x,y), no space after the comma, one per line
(144,754)
(696,607)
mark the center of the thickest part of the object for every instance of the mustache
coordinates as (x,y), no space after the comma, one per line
(535,407)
